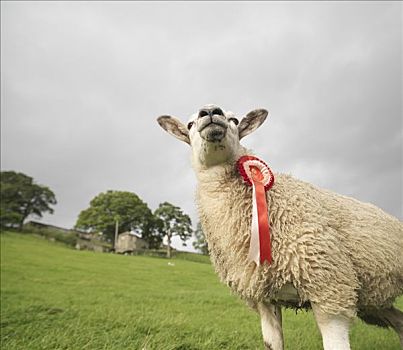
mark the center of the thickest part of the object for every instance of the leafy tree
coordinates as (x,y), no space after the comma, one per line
(21,197)
(200,243)
(174,223)
(121,208)
(153,232)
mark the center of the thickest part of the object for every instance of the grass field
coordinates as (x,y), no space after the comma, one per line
(53,297)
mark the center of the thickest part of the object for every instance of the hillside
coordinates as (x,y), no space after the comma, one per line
(53,297)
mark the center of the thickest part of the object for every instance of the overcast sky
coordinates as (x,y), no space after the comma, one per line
(83,82)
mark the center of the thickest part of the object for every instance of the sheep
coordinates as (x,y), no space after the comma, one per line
(333,254)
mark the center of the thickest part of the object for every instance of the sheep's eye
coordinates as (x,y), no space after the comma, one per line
(236,122)
(190,124)
(218,111)
(203,114)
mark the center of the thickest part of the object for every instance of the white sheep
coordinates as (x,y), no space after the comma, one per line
(331,253)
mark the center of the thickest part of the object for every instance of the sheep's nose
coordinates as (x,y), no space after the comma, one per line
(210,112)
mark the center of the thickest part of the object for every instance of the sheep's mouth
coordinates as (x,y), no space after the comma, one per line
(213,132)
(212,128)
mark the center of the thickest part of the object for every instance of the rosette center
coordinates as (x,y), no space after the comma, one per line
(257,175)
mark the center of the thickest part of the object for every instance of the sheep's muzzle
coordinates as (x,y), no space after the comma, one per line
(212,128)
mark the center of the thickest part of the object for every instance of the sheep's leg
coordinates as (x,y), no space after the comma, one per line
(395,318)
(271,326)
(390,317)
(334,329)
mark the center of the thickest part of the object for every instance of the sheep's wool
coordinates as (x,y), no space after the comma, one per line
(337,252)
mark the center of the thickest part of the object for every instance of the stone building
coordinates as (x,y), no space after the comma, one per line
(129,242)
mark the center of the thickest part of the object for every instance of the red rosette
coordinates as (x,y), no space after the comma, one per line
(245,165)
(257,174)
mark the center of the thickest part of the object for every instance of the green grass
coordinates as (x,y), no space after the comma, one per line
(53,297)
(204,259)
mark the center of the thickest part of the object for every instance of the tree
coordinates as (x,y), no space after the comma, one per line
(122,210)
(153,232)
(21,197)
(174,223)
(200,243)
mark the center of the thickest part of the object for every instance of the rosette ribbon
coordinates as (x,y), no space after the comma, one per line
(257,174)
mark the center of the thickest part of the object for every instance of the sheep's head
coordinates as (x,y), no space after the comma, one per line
(213,133)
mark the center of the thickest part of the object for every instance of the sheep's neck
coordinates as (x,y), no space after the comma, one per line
(216,174)
(222,197)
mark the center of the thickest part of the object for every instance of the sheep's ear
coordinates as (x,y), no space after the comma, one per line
(251,122)
(174,127)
